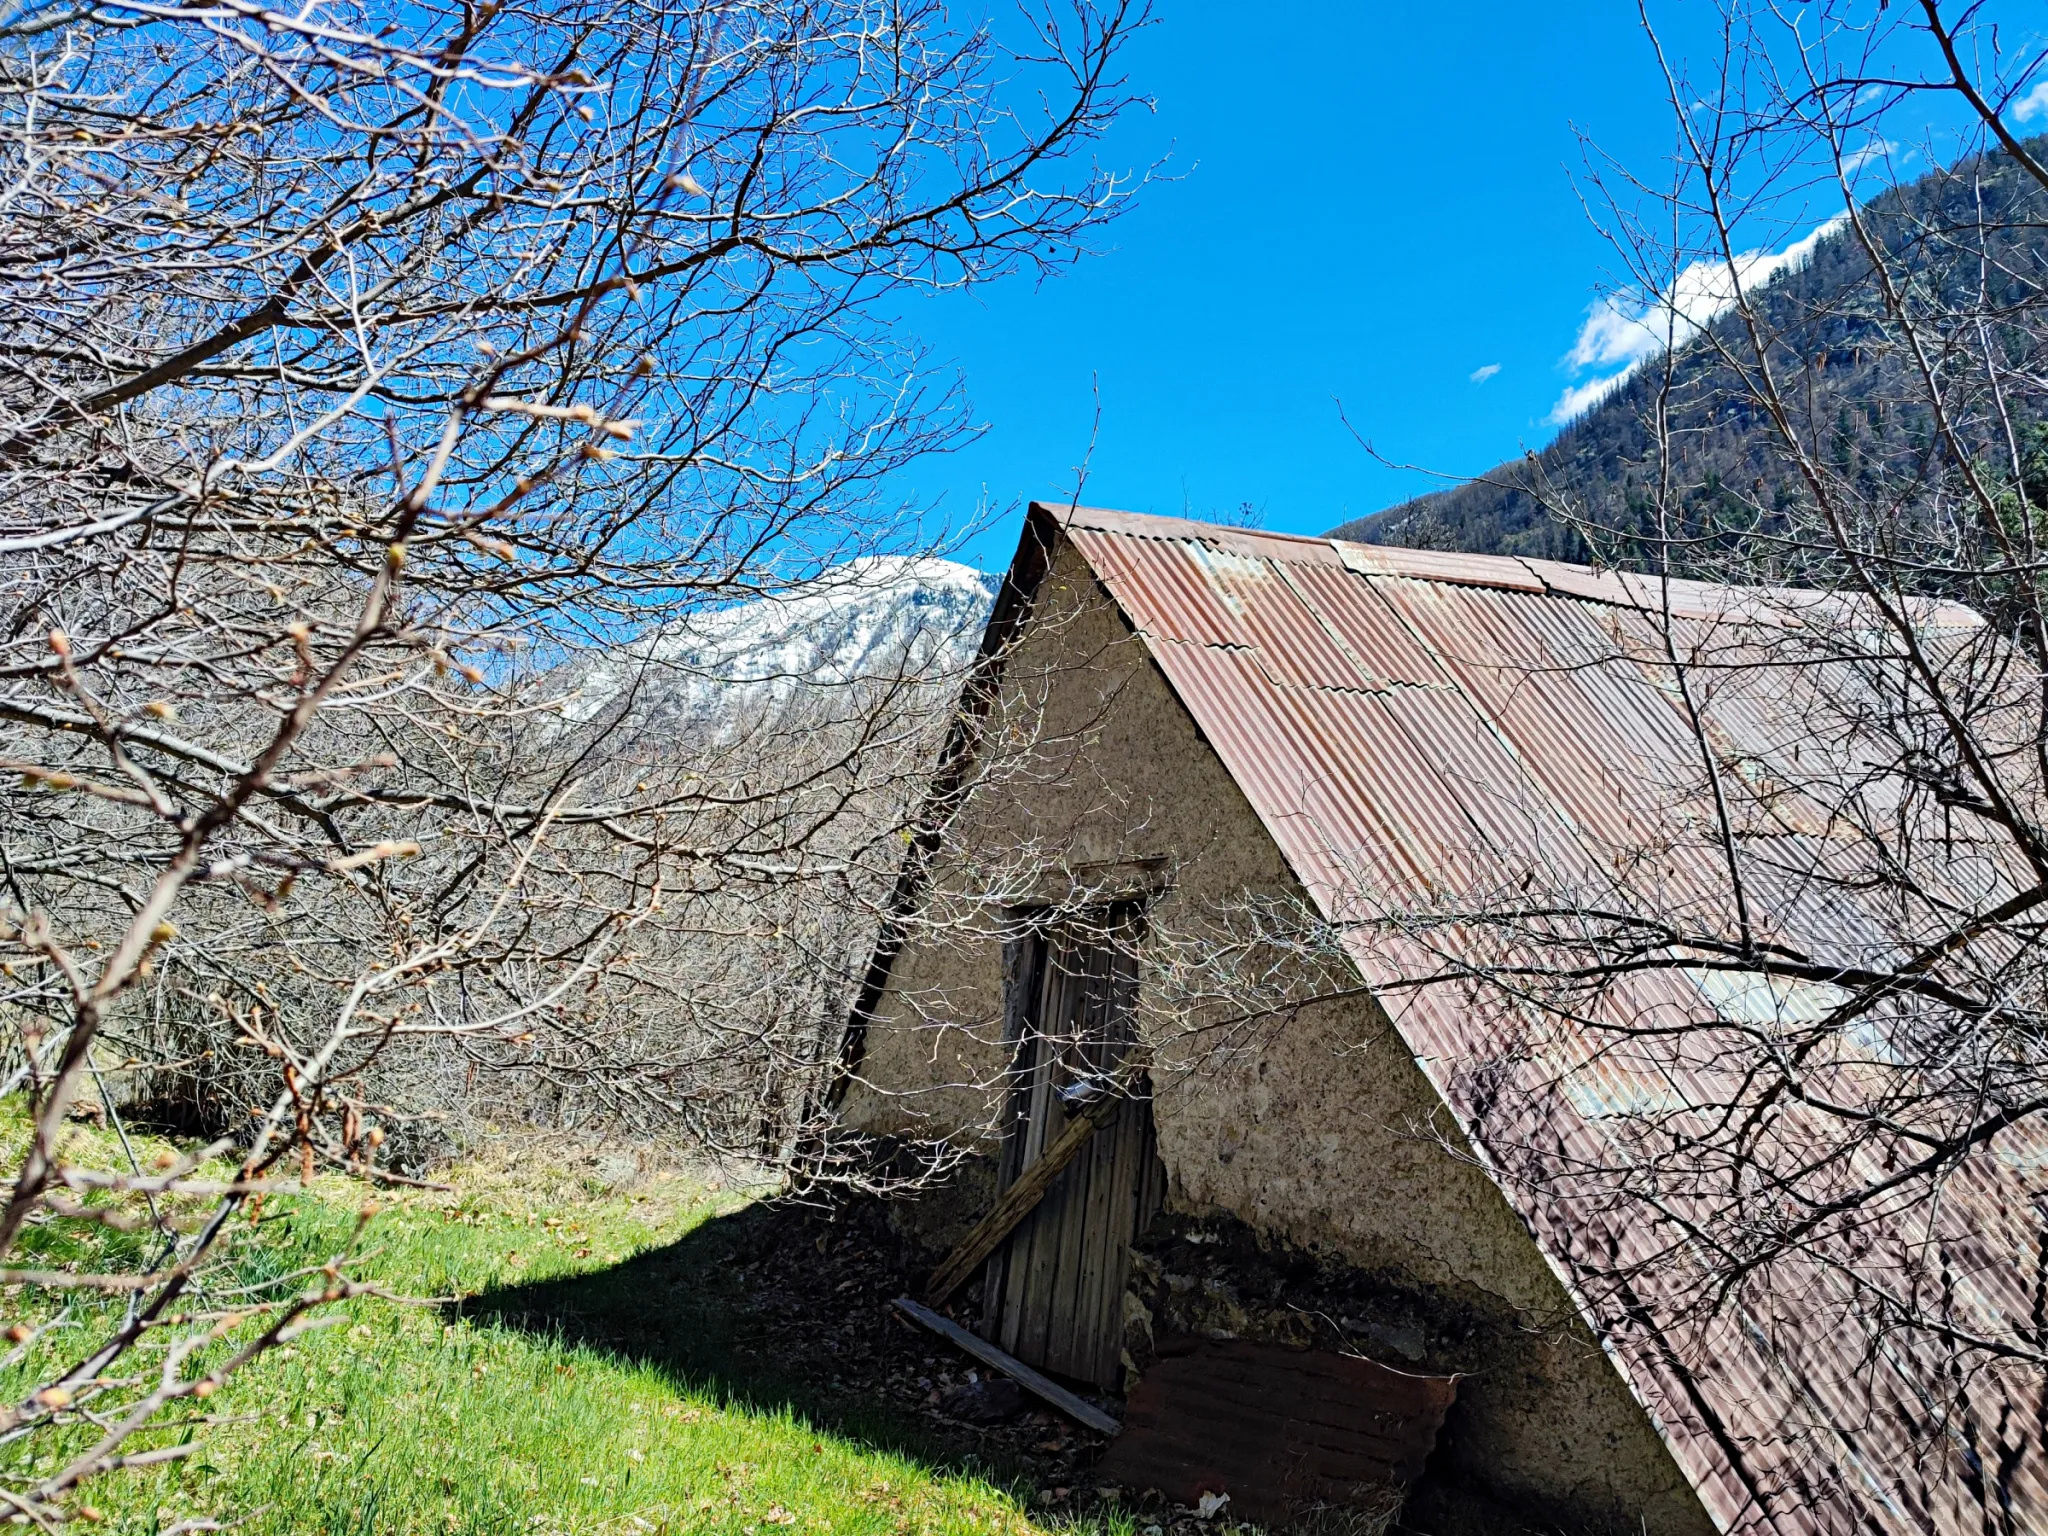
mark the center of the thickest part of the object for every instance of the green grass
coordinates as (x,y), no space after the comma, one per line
(407,1418)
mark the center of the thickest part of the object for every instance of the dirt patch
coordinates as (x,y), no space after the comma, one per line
(820,1282)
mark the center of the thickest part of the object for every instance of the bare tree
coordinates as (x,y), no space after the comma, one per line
(363,374)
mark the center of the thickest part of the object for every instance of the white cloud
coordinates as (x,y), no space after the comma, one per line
(1624,328)
(1876,149)
(2032,105)
(1581,398)
(1481,375)
(1619,329)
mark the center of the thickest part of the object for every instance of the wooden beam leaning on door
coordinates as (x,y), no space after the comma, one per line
(1077,1408)
(1022,1197)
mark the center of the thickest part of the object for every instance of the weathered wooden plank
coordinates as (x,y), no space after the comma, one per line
(1104,1229)
(1096,1230)
(1055,1287)
(1050,1339)
(1021,952)
(1016,1202)
(1046,1230)
(1045,1025)
(1023,1008)
(1074,1407)
(1134,1152)
(1035,1242)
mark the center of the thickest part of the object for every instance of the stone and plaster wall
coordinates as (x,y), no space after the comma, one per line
(1316,1190)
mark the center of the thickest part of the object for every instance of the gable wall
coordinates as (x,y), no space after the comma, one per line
(1322,1133)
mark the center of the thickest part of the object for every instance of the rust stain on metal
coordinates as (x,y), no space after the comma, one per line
(1275,1429)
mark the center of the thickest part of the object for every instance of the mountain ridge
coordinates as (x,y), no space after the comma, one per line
(882,620)
(1854,398)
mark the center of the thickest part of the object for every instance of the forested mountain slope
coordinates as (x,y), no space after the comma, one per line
(1974,239)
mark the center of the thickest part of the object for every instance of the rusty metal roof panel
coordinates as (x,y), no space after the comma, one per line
(1412,726)
(1163,588)
(1516,824)
(1295,647)
(1615,774)
(1434,565)
(1224,593)
(1581,765)
(1681,598)
(1317,797)
(1282,1433)
(1372,634)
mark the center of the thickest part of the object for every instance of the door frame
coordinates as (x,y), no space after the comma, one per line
(1062,1310)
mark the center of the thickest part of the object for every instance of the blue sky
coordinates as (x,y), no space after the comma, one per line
(1374,205)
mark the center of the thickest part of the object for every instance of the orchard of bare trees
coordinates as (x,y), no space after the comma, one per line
(372,382)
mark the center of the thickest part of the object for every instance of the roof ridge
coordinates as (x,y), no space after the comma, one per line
(1683,597)
(1156,525)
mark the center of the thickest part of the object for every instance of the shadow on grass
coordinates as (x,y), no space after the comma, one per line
(779,1306)
(785,1307)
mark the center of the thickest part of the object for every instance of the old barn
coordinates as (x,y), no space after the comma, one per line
(1322,1240)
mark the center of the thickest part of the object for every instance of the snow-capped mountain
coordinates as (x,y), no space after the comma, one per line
(866,618)
(878,619)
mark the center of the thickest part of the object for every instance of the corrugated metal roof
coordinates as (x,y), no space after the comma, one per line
(1418,729)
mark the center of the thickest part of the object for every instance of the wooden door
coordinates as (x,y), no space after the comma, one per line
(1054,1292)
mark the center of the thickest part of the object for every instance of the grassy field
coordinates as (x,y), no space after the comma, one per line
(426,1418)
